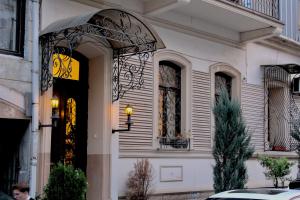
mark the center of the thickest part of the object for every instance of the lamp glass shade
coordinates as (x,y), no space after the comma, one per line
(129,110)
(54,102)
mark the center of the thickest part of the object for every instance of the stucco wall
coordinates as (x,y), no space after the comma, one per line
(202,53)
(53,10)
(261,55)
(196,176)
(197,168)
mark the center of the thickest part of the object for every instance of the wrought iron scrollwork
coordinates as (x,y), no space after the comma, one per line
(51,45)
(46,75)
(128,75)
(124,33)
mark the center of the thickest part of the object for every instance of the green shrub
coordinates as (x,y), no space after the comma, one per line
(277,169)
(65,183)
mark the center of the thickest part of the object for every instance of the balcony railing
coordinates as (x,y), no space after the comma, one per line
(269,8)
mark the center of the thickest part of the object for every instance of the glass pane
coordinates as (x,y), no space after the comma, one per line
(70,130)
(167,114)
(169,100)
(171,114)
(65,67)
(8,21)
(220,84)
(222,81)
(161,120)
(168,77)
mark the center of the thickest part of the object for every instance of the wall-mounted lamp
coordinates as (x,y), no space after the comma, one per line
(129,112)
(55,110)
(55,113)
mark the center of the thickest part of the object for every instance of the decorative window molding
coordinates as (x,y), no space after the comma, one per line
(236,85)
(12,14)
(186,91)
(229,71)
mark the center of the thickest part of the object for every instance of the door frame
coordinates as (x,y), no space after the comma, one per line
(104,188)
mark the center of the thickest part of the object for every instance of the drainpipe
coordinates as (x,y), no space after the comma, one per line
(35,97)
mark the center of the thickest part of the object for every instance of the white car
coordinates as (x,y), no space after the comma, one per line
(258,194)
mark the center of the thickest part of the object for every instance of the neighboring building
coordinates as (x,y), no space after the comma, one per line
(166,58)
(15,92)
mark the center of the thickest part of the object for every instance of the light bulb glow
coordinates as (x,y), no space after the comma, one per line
(129,110)
(54,102)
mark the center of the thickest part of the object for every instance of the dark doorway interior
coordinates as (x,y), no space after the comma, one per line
(11,134)
(69,138)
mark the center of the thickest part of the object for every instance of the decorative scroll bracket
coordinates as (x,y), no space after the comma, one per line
(127,74)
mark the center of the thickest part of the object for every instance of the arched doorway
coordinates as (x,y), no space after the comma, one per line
(69,134)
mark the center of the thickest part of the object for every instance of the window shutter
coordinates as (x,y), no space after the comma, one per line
(201,121)
(253,113)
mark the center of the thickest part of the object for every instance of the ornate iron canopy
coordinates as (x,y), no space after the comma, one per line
(125,33)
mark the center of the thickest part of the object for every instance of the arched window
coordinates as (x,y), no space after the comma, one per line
(225,75)
(169,99)
(172,118)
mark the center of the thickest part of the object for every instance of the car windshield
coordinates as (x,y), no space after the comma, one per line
(232,199)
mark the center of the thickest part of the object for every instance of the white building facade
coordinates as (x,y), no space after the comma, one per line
(250,46)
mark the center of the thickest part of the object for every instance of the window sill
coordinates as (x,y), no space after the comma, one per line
(12,53)
(168,154)
(173,144)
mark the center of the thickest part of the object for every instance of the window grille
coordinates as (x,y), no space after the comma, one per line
(282,116)
(170,104)
(222,80)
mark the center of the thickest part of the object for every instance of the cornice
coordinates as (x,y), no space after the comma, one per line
(193,31)
(282,43)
